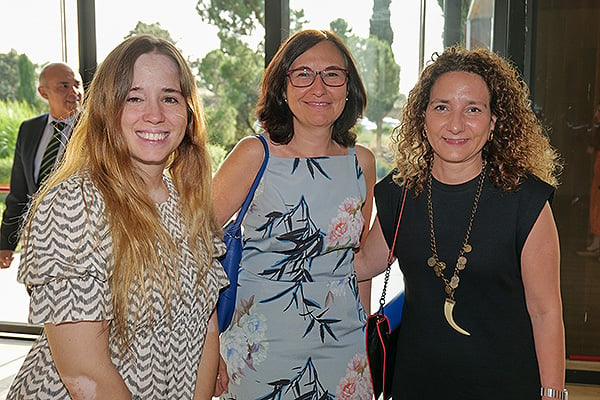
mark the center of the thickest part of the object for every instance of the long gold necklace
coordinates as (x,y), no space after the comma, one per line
(461,262)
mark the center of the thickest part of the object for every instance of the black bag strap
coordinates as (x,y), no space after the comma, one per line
(391,255)
(250,196)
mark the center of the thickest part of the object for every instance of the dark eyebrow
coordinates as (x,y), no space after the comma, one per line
(470,103)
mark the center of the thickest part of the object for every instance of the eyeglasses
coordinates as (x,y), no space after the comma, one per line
(304,77)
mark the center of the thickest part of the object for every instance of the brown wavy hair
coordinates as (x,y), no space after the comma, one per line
(98,151)
(519,147)
(273,112)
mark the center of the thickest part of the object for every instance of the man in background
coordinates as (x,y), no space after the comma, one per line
(40,144)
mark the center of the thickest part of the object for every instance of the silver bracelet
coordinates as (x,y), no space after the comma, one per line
(555,394)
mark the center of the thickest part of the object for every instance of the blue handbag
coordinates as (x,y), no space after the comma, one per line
(232,236)
(393,310)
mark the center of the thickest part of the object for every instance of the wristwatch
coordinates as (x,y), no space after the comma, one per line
(554,394)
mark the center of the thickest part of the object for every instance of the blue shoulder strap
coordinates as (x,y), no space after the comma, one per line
(250,196)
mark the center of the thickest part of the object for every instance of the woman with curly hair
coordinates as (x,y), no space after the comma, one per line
(477,242)
(120,257)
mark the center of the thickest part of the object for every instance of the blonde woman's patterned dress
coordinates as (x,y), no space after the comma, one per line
(69,263)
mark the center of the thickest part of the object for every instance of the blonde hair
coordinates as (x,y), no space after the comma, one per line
(519,145)
(144,254)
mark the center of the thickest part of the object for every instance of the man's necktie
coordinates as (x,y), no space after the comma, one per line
(49,158)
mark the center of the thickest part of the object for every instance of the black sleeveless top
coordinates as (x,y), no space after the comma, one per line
(433,361)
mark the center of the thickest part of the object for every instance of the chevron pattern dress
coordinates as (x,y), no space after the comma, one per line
(68,269)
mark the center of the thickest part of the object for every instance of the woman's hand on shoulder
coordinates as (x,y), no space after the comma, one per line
(234,178)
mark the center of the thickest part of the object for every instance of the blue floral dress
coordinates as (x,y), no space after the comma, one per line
(298,329)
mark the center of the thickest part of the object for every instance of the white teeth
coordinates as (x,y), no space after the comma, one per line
(152,136)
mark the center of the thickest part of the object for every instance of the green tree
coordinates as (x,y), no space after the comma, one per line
(464,12)
(232,72)
(9,75)
(381,75)
(297,20)
(233,18)
(233,79)
(379,24)
(27,81)
(379,72)
(153,29)
(340,27)
(18,80)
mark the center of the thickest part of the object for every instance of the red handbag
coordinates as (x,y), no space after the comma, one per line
(381,339)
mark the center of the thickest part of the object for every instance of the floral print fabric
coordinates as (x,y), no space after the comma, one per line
(298,328)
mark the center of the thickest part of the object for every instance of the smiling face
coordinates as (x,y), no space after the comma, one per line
(318,105)
(458,122)
(154,117)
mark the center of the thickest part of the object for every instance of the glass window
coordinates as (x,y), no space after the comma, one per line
(566,95)
(479,24)
(53,39)
(55,36)
(404,18)
(227,55)
(58,41)
(178,21)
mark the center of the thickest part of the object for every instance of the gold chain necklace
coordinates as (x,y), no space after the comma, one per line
(439,266)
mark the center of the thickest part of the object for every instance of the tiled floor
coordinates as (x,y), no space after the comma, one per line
(13,351)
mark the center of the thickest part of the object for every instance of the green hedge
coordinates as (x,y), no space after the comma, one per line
(12,114)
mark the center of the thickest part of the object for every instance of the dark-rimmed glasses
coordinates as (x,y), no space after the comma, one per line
(304,77)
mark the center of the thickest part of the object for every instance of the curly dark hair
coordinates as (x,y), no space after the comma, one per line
(519,147)
(273,112)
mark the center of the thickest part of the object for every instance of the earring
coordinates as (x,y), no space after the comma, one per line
(346,98)
(491,136)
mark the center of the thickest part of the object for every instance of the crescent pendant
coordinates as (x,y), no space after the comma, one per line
(448,313)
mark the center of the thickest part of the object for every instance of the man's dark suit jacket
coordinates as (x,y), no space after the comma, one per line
(22,180)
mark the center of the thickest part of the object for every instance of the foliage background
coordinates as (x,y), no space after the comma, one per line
(229,79)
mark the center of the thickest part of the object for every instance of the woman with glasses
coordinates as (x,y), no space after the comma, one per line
(298,328)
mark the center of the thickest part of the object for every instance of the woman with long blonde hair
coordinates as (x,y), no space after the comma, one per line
(119,257)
